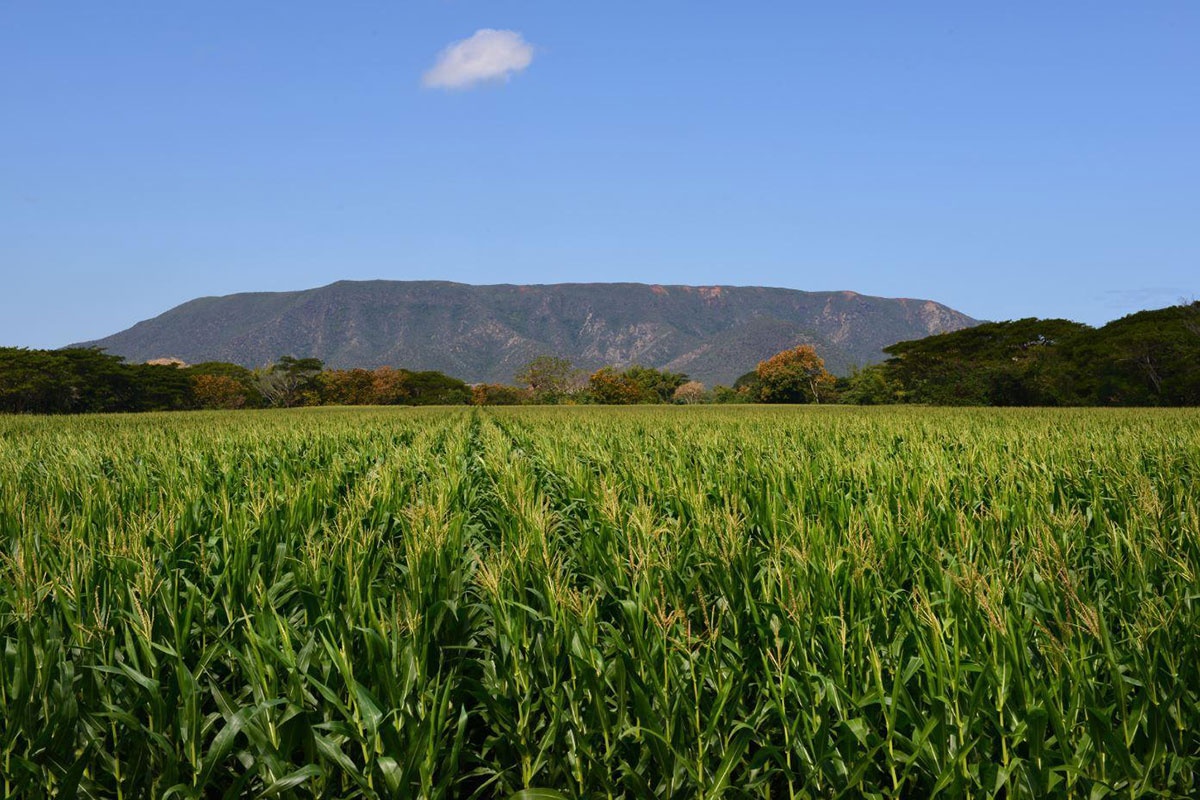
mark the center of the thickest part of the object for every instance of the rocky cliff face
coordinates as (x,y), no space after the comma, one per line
(485,333)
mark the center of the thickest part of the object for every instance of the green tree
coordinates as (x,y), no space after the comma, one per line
(656,386)
(550,378)
(723,395)
(1147,358)
(158,387)
(33,381)
(997,363)
(869,387)
(86,380)
(97,381)
(291,382)
(747,387)
(431,388)
(496,394)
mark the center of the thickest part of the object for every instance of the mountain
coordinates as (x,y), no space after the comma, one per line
(485,333)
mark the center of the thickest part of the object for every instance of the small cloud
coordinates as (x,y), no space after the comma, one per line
(488,55)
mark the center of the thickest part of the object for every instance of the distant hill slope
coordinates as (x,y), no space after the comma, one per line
(485,333)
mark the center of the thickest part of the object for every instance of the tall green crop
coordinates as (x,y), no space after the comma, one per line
(689,602)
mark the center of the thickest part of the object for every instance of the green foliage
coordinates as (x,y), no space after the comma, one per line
(868,387)
(633,385)
(87,380)
(725,394)
(626,603)
(996,363)
(158,387)
(83,380)
(291,382)
(549,378)
(748,384)
(717,329)
(431,388)
(1145,359)
(496,394)
(655,385)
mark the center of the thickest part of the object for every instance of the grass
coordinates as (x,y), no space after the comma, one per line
(702,602)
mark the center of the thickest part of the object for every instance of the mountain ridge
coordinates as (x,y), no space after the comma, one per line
(485,332)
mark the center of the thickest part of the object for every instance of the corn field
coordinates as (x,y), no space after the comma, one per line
(645,602)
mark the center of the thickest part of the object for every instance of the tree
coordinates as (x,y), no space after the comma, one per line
(347,387)
(747,387)
(83,380)
(158,387)
(996,363)
(432,388)
(390,386)
(497,394)
(1146,358)
(97,381)
(690,393)
(217,391)
(549,378)
(868,387)
(291,382)
(657,386)
(725,394)
(244,378)
(612,388)
(795,376)
(635,384)
(33,381)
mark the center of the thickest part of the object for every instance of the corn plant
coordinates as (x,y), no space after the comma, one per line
(689,602)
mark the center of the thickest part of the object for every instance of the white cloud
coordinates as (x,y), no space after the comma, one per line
(487,55)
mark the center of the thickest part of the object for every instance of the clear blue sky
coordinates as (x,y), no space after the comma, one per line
(1008,159)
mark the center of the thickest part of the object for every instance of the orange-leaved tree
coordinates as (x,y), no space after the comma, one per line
(347,387)
(391,386)
(611,388)
(797,375)
(218,391)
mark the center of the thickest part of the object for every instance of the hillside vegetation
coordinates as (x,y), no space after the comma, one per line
(1144,359)
(484,334)
(1151,358)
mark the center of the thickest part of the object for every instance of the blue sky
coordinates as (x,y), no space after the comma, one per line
(1016,159)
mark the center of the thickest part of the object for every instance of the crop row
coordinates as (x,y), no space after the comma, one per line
(742,602)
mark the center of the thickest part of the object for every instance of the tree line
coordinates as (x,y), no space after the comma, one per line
(1151,358)
(1145,359)
(87,380)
